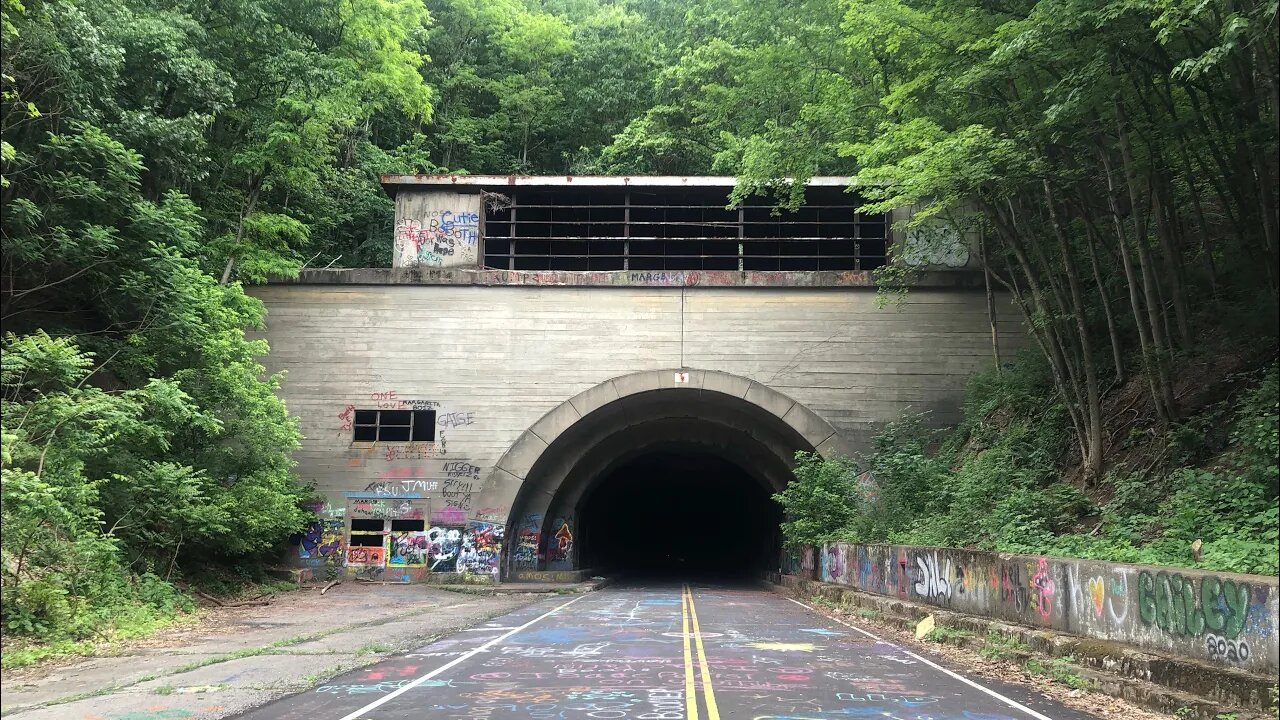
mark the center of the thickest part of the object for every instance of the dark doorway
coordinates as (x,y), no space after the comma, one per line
(680,514)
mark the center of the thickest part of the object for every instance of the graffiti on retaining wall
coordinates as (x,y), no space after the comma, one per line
(391,400)
(414,451)
(461,469)
(455,419)
(1042,589)
(1176,605)
(1200,615)
(458,493)
(933,577)
(1220,648)
(448,515)
(345,418)
(833,564)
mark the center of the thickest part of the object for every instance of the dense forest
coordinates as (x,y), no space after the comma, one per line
(1118,160)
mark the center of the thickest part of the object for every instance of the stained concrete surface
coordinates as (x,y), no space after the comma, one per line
(643,652)
(240,659)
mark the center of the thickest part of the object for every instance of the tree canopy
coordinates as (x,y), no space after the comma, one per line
(1116,161)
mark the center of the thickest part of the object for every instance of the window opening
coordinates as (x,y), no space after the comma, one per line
(367,533)
(394,426)
(680,229)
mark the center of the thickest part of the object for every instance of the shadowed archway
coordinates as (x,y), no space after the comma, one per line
(666,470)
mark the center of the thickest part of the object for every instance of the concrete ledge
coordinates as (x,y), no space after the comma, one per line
(961,279)
(1167,684)
(549,576)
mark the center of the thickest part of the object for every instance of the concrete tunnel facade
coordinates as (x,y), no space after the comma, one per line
(542,424)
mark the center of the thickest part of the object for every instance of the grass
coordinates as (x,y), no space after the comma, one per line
(317,678)
(165,690)
(999,647)
(942,634)
(374,648)
(868,613)
(1058,670)
(128,623)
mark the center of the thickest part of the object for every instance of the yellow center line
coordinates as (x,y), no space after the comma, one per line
(690,693)
(713,712)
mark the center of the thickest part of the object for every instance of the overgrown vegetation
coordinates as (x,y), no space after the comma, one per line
(1001,480)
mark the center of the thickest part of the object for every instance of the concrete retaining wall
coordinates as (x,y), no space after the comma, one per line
(1220,618)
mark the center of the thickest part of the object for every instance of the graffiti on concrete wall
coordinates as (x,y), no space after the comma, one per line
(377,509)
(448,515)
(833,563)
(1195,614)
(482,547)
(524,553)
(323,542)
(1191,606)
(438,237)
(444,543)
(560,544)
(366,555)
(492,514)
(407,548)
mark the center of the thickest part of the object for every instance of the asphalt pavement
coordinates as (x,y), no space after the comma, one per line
(669,651)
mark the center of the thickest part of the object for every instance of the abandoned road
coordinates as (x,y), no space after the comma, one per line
(665,652)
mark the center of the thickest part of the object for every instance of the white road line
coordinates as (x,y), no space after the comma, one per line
(387,698)
(1006,700)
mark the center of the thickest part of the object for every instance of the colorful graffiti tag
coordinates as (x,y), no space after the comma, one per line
(323,541)
(482,547)
(408,548)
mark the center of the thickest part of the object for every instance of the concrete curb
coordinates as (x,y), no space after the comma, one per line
(1170,685)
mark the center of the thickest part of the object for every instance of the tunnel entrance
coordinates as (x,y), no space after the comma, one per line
(685,514)
(669,471)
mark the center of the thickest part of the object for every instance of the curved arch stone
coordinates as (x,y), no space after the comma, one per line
(506,482)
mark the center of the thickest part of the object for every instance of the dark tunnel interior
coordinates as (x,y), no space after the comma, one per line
(685,515)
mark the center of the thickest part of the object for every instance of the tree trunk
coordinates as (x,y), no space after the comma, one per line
(1155,310)
(1092,389)
(991,300)
(1113,332)
(1151,366)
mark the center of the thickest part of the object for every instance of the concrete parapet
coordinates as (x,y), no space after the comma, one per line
(423,275)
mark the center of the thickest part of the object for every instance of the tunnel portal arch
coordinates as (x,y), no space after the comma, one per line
(560,462)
